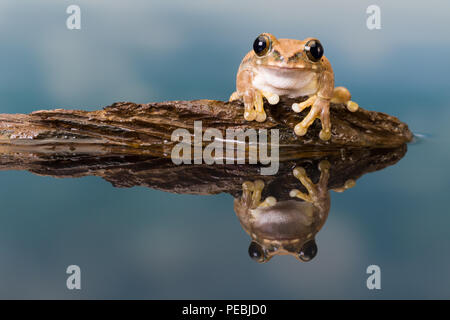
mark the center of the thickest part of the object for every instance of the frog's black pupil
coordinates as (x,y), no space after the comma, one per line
(315,50)
(260,45)
(308,251)
(255,252)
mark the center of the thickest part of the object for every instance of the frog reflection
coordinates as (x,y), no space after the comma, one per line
(286,227)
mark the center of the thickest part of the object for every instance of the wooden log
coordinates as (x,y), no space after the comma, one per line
(145,129)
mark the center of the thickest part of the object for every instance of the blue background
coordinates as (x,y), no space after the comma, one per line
(143,243)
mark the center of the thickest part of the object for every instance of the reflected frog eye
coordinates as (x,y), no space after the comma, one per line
(256,252)
(308,251)
(314,50)
(261,45)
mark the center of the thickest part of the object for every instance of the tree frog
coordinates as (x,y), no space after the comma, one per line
(291,68)
(286,227)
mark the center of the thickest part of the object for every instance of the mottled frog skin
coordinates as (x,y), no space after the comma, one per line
(291,68)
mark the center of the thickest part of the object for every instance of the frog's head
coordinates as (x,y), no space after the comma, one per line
(270,52)
(302,251)
(286,228)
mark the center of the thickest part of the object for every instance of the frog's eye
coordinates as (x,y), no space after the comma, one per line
(308,251)
(314,50)
(256,252)
(262,45)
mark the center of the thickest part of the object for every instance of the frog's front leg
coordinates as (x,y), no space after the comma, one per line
(320,107)
(252,97)
(315,191)
(251,195)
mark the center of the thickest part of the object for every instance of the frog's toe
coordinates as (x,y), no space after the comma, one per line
(261,116)
(234,96)
(299,107)
(250,114)
(296,107)
(293,193)
(325,134)
(300,129)
(324,165)
(274,99)
(259,185)
(350,183)
(248,186)
(269,202)
(299,172)
(352,106)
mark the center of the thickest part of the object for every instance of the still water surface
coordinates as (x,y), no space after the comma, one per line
(142,243)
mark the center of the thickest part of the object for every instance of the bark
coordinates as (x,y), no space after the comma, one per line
(125,171)
(145,129)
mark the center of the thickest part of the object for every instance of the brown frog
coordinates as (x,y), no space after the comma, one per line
(286,227)
(291,68)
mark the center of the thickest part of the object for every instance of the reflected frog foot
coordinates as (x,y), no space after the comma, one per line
(251,195)
(350,183)
(315,192)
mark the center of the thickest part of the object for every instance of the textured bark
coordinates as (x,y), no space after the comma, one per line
(162,174)
(145,129)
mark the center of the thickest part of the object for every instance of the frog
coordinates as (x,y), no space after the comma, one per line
(286,227)
(289,68)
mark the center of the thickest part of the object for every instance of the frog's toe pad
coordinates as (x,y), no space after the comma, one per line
(234,96)
(250,115)
(299,172)
(325,135)
(296,107)
(324,165)
(261,116)
(293,193)
(352,106)
(300,130)
(274,99)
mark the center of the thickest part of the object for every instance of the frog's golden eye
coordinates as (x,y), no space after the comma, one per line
(314,50)
(256,252)
(262,45)
(308,251)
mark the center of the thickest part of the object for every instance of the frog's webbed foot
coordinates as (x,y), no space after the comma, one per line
(342,95)
(320,108)
(251,195)
(314,190)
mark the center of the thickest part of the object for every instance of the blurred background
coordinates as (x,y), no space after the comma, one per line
(143,243)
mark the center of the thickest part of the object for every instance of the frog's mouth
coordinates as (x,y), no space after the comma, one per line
(287,78)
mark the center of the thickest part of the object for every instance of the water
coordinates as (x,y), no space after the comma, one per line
(144,243)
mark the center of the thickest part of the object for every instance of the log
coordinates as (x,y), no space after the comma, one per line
(126,171)
(145,129)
